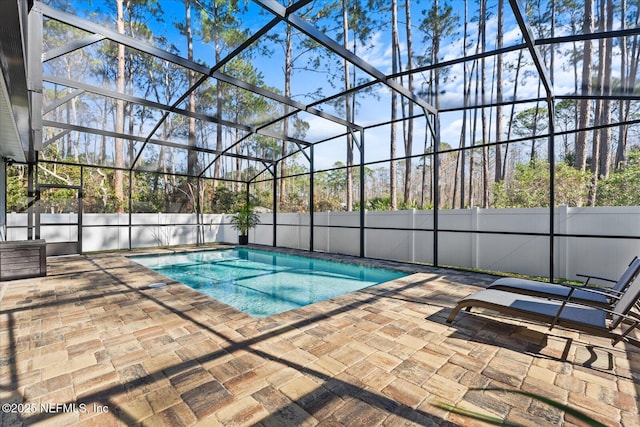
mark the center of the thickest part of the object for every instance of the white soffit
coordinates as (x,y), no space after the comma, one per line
(10,144)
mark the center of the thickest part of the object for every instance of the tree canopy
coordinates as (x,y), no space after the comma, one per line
(189,102)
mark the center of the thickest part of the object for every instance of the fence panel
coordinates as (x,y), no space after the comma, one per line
(605,257)
(524,254)
(390,244)
(459,249)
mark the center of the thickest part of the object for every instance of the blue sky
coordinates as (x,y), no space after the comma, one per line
(377,52)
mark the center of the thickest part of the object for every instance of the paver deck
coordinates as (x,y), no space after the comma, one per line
(92,344)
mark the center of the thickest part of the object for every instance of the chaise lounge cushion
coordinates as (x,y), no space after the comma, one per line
(601,297)
(532,287)
(535,308)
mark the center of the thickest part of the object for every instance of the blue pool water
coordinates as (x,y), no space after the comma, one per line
(263,283)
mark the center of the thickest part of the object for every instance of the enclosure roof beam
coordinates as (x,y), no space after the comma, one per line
(143,47)
(468,148)
(492,104)
(197,84)
(55,138)
(267,168)
(627,32)
(224,152)
(142,101)
(268,94)
(260,130)
(277,9)
(71,47)
(48,108)
(284,100)
(117,95)
(301,149)
(617,97)
(114,36)
(64,163)
(165,143)
(244,45)
(293,8)
(132,43)
(538,42)
(422,69)
(529,39)
(474,57)
(175,59)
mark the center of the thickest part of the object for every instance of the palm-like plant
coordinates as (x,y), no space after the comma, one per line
(243,220)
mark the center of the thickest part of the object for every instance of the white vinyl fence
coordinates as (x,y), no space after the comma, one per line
(338,232)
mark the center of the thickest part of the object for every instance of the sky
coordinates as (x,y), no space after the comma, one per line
(376,52)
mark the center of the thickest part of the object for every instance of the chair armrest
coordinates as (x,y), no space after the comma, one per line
(589,277)
(606,292)
(630,318)
(634,315)
(629,315)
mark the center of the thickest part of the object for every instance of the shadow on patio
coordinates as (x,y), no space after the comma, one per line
(170,356)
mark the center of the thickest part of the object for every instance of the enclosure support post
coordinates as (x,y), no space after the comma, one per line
(545,77)
(32,199)
(3,200)
(130,208)
(362,198)
(360,143)
(436,185)
(311,197)
(552,185)
(80,209)
(275,202)
(35,88)
(247,197)
(199,227)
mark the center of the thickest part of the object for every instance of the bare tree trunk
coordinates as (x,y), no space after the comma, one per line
(73,142)
(394,108)
(511,115)
(621,147)
(634,60)
(118,175)
(605,133)
(423,175)
(66,147)
(499,65)
(552,49)
(162,160)
(536,115)
(238,184)
(485,127)
(585,104)
(288,71)
(218,115)
(348,106)
(597,143)
(192,156)
(102,152)
(408,143)
(576,103)
(463,132)
(475,123)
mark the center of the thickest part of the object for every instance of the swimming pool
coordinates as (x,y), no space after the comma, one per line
(262,283)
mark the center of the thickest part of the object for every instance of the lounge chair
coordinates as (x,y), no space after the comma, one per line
(585,294)
(585,318)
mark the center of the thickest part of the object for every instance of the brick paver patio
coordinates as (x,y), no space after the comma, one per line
(92,344)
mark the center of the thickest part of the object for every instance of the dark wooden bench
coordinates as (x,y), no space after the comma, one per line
(23,259)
